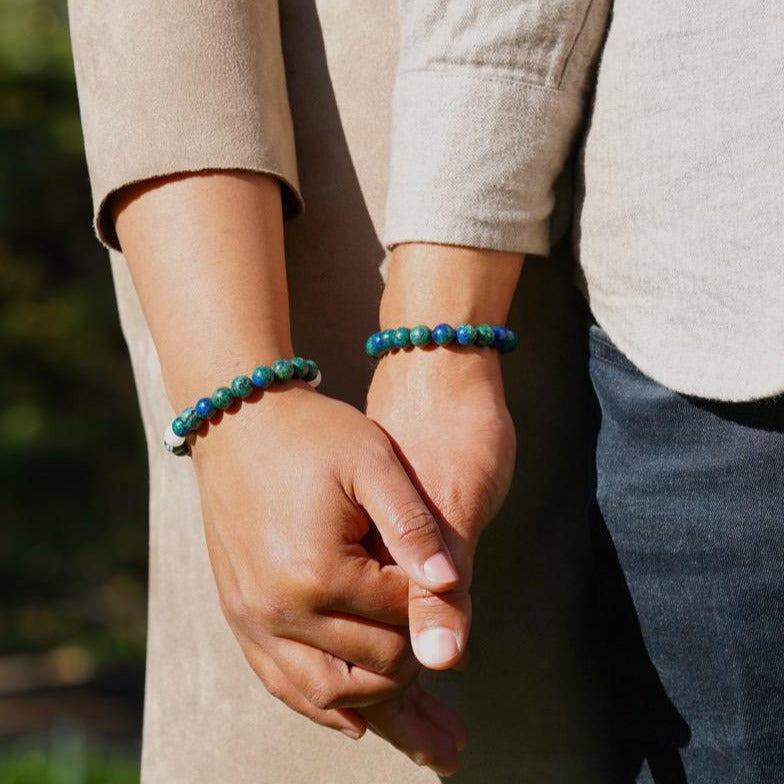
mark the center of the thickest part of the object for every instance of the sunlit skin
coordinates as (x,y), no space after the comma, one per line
(206,255)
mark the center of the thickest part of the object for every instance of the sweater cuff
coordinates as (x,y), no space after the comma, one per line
(475,158)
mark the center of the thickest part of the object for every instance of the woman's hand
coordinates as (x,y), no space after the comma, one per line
(291,486)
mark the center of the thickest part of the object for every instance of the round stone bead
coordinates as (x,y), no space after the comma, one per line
(512,341)
(300,367)
(465,335)
(443,334)
(370,347)
(313,372)
(500,337)
(262,377)
(484,335)
(388,336)
(316,380)
(204,408)
(419,336)
(191,419)
(283,369)
(179,428)
(378,343)
(241,386)
(401,337)
(222,398)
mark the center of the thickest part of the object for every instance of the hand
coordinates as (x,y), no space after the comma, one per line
(444,410)
(289,487)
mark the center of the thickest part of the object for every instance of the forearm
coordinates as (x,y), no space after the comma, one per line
(206,254)
(428,284)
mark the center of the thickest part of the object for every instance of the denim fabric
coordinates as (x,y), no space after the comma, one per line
(688,532)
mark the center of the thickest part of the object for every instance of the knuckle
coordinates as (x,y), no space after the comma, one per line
(414,523)
(394,659)
(325,697)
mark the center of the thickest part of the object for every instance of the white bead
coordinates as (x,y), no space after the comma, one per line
(316,381)
(171,439)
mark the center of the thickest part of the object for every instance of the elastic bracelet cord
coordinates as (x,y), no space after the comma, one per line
(263,377)
(501,338)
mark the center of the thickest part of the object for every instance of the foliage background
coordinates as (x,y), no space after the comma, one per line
(73,536)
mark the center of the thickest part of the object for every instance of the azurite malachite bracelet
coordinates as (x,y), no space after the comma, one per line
(263,377)
(502,338)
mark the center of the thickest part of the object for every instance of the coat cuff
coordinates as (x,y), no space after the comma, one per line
(475,158)
(165,88)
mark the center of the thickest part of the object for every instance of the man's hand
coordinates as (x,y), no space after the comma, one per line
(445,412)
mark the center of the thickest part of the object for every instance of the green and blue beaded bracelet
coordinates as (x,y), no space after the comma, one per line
(501,338)
(263,377)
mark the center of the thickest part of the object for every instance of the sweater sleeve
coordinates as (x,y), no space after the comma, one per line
(168,86)
(488,99)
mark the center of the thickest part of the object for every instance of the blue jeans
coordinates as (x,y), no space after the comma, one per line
(688,537)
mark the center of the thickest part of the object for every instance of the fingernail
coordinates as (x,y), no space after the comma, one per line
(436,647)
(351,733)
(438,569)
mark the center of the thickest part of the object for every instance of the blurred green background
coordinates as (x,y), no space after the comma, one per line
(73,533)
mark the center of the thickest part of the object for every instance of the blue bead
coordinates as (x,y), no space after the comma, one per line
(465,334)
(283,369)
(419,336)
(401,337)
(379,345)
(204,408)
(262,377)
(179,427)
(370,347)
(443,334)
(500,337)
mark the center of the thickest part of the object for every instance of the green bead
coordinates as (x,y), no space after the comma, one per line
(485,335)
(283,369)
(300,367)
(401,337)
(179,428)
(222,398)
(419,336)
(313,370)
(241,386)
(512,341)
(191,419)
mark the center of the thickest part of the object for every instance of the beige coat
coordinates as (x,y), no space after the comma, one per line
(679,239)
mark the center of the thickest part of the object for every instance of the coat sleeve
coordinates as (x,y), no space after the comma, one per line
(168,86)
(488,99)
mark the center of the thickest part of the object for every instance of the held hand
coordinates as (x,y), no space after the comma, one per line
(289,488)
(444,410)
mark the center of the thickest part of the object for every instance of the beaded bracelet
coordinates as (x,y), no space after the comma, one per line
(501,338)
(263,377)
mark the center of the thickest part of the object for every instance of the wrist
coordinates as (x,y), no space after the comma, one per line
(429,284)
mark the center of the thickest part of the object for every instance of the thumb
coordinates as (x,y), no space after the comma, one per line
(408,528)
(439,617)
